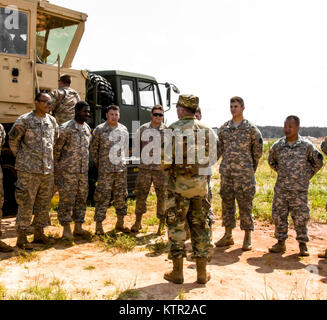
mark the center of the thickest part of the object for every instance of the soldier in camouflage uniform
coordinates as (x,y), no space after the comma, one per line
(108,150)
(150,172)
(324,150)
(241,146)
(3,246)
(72,165)
(64,100)
(31,140)
(187,187)
(296,160)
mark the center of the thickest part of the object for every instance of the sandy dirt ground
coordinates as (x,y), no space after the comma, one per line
(88,271)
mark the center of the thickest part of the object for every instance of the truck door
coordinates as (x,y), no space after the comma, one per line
(16,60)
(129,109)
(148,95)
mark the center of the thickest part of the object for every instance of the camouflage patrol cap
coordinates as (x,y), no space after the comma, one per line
(188,101)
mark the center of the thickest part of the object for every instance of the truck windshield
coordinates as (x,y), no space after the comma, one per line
(54,36)
(149,95)
(13,31)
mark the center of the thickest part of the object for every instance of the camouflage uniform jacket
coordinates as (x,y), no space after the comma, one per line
(64,101)
(2,142)
(185,179)
(32,140)
(324,146)
(241,148)
(295,164)
(142,144)
(71,151)
(102,147)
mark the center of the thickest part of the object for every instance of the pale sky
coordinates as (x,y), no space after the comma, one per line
(273,53)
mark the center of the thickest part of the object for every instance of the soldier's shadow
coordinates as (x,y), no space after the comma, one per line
(167,291)
(276,261)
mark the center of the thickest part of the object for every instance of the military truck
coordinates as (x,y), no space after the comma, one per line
(38,42)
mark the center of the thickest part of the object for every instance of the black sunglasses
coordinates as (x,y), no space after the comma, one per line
(45,101)
(157,114)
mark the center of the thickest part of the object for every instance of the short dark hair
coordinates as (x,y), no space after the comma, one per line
(80,105)
(40,94)
(237,99)
(295,118)
(66,78)
(112,107)
(158,107)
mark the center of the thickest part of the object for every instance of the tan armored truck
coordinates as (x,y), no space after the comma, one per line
(38,42)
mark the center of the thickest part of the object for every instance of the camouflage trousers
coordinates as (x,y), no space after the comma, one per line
(115,183)
(33,196)
(1,202)
(296,203)
(241,189)
(73,192)
(179,210)
(144,181)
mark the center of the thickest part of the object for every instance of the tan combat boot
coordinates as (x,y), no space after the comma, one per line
(67,233)
(176,275)
(120,224)
(279,247)
(303,249)
(161,226)
(5,248)
(22,242)
(99,229)
(79,231)
(40,237)
(227,239)
(247,241)
(137,226)
(201,268)
(323,255)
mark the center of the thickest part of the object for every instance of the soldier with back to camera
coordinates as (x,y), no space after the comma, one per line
(64,100)
(187,188)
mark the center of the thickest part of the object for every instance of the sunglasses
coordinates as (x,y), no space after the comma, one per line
(157,115)
(45,101)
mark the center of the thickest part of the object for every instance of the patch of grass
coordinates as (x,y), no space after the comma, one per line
(158,247)
(84,292)
(90,268)
(3,291)
(54,203)
(129,294)
(181,294)
(54,291)
(25,257)
(108,283)
(121,242)
(151,221)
